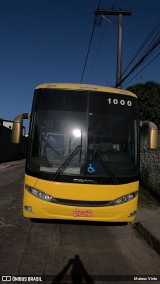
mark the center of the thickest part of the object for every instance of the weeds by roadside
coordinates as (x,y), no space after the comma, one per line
(147,200)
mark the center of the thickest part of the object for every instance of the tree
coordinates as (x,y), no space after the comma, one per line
(149,101)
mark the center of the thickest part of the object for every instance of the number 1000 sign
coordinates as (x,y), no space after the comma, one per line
(119,102)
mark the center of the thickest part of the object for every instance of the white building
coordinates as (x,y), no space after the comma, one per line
(8,123)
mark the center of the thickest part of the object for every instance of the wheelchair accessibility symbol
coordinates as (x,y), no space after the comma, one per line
(91,168)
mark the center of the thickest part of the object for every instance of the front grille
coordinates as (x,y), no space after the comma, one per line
(81,202)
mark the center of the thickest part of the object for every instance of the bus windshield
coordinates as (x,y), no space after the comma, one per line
(95,132)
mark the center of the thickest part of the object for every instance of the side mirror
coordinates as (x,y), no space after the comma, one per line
(17,127)
(152,135)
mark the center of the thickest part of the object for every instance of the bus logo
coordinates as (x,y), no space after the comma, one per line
(80,180)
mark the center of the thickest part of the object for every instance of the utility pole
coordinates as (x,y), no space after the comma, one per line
(118,13)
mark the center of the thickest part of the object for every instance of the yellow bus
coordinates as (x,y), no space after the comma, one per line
(83,153)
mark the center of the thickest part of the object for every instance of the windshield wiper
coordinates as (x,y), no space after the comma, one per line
(106,166)
(66,162)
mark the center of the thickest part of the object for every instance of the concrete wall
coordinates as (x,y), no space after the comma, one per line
(9,151)
(150,159)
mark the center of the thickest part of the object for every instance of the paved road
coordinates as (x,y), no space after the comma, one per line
(58,248)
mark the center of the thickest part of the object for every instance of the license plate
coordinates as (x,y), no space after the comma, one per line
(82,213)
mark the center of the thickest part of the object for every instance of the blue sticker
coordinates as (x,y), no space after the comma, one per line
(91,168)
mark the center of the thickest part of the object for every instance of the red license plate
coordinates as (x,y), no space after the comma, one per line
(82,213)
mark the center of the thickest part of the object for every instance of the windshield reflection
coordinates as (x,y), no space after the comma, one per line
(106,134)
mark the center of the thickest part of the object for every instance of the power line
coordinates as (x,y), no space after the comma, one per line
(118,13)
(89,47)
(143,68)
(96,54)
(145,57)
(149,36)
(154,37)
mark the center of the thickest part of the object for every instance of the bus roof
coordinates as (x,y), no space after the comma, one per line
(74,86)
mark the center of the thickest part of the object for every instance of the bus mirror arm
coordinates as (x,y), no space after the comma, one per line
(152,135)
(17,127)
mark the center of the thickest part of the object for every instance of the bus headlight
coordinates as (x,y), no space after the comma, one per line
(38,193)
(123,199)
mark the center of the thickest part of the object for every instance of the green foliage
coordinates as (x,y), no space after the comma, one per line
(149,101)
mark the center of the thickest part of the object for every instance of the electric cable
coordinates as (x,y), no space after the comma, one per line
(142,59)
(96,54)
(143,68)
(89,47)
(151,48)
(149,36)
(90,42)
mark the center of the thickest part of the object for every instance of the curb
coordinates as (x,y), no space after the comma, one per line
(10,164)
(147,236)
